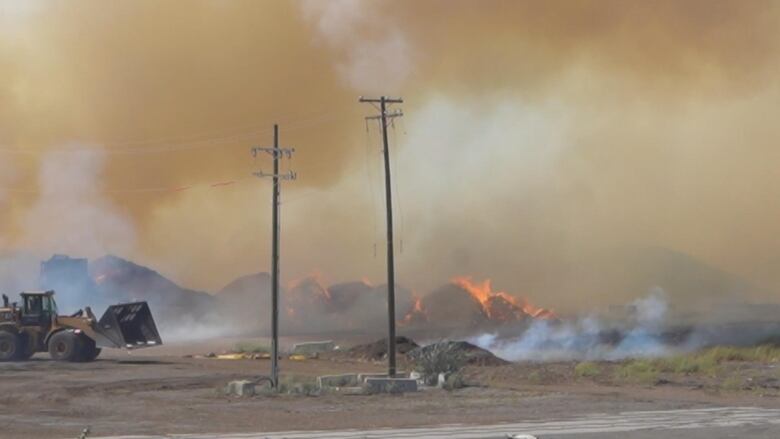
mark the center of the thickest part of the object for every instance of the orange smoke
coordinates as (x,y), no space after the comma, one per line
(490,301)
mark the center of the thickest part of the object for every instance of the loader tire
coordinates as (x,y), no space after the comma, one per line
(65,346)
(89,351)
(11,346)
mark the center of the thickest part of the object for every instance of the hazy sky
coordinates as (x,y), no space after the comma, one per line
(535,135)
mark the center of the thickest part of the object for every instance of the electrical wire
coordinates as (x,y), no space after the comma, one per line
(396,191)
(185,144)
(371,187)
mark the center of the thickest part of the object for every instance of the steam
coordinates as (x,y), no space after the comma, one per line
(589,338)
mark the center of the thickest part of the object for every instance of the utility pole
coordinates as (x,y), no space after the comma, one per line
(383,118)
(276,153)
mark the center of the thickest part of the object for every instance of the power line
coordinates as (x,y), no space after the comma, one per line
(175,145)
(160,189)
(371,188)
(398,193)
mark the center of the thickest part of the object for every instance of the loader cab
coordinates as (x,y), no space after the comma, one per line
(38,308)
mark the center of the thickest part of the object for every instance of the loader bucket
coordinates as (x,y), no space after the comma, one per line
(129,326)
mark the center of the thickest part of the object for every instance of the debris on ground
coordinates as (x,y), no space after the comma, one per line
(313,348)
(233,356)
(377,351)
(473,355)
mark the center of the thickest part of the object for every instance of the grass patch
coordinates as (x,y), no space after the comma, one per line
(246,347)
(586,369)
(688,364)
(535,377)
(759,354)
(639,371)
(705,362)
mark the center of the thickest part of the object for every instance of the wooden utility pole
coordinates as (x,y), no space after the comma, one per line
(383,118)
(276,153)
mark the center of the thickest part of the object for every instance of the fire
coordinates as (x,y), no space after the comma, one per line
(491,301)
(416,313)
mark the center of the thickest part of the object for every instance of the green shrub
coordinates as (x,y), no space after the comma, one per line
(439,358)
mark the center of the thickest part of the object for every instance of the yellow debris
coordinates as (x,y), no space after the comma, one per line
(297,357)
(233,357)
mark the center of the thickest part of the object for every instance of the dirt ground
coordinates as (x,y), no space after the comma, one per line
(159,391)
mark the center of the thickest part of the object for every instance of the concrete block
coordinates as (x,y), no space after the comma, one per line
(343,380)
(240,388)
(362,377)
(352,391)
(390,385)
(313,347)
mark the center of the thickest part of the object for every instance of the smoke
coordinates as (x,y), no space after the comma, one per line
(565,150)
(373,53)
(7,178)
(71,214)
(589,338)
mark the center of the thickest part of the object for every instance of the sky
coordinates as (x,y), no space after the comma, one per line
(536,136)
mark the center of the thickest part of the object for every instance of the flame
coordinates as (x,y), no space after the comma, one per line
(418,305)
(416,313)
(317,281)
(483,293)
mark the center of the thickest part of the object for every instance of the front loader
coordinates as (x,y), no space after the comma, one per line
(35,326)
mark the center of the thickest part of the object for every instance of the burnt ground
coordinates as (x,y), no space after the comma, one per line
(159,391)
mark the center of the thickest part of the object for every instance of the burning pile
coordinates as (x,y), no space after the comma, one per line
(465,303)
(308,305)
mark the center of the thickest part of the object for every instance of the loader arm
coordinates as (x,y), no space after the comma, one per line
(86,325)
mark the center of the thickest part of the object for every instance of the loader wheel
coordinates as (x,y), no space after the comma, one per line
(89,351)
(10,346)
(64,346)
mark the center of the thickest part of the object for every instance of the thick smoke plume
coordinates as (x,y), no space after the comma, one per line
(564,149)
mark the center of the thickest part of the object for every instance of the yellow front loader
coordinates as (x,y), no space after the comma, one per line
(34,326)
